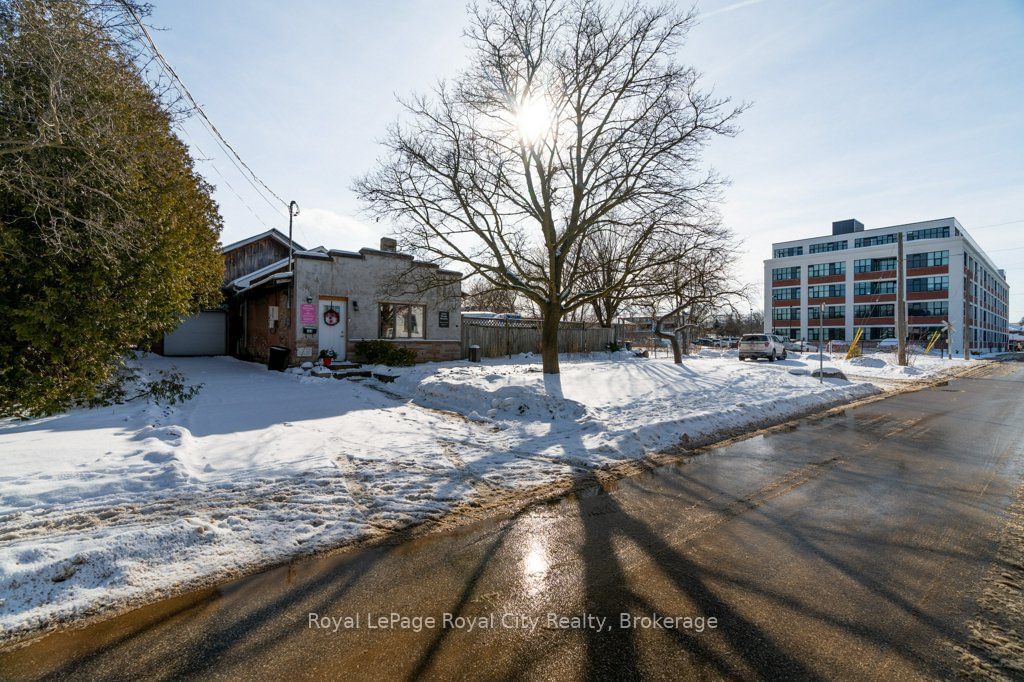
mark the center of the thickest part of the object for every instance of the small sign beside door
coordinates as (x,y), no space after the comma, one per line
(442,318)
(307,314)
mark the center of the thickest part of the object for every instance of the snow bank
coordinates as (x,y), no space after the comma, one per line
(104,508)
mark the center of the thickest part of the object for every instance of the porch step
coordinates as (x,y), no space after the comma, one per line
(365,374)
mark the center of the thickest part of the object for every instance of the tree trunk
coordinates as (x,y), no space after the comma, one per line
(673,339)
(549,341)
(685,331)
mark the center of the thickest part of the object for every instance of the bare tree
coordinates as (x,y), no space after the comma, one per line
(572,124)
(479,294)
(693,288)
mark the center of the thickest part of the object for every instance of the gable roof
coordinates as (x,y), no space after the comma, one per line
(272,232)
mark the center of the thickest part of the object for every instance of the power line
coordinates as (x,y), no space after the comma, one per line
(235,158)
(209,159)
(1010,222)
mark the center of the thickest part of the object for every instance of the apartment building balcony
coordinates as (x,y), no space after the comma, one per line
(785,323)
(869,321)
(786,282)
(827,301)
(874,298)
(785,302)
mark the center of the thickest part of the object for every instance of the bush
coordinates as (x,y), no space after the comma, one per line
(108,234)
(385,353)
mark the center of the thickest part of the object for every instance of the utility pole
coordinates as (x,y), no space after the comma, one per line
(821,343)
(901,305)
(966,331)
(293,210)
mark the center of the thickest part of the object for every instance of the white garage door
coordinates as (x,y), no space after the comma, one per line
(202,334)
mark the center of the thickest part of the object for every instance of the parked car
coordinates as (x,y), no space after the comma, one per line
(766,346)
(794,346)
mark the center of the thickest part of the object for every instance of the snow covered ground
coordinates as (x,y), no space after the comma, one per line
(878,366)
(105,508)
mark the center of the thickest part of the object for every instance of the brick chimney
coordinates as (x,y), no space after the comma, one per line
(388,244)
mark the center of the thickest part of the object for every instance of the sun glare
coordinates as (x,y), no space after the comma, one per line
(533,119)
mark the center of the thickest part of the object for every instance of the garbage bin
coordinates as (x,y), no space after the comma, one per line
(629,345)
(277,359)
(474,353)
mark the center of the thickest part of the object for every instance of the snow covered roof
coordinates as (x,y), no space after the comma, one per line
(275,234)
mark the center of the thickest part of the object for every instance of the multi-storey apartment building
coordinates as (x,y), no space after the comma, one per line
(853,273)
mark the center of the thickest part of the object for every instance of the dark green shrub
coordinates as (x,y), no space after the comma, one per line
(382,352)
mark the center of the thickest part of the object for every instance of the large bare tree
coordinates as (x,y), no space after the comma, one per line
(572,124)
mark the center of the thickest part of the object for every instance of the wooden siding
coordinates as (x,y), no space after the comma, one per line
(252,257)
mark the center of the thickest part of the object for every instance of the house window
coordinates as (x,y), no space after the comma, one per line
(402,321)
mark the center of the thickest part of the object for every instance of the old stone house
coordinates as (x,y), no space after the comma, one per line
(328,299)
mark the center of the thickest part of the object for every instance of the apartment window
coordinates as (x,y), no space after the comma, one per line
(874,264)
(826,291)
(785,313)
(928,233)
(825,247)
(928,260)
(791,333)
(928,283)
(790,251)
(831,334)
(874,310)
(824,269)
(887,286)
(876,240)
(786,294)
(785,273)
(832,312)
(879,333)
(928,308)
(402,321)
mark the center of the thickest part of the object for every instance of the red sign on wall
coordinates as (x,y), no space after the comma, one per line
(307,314)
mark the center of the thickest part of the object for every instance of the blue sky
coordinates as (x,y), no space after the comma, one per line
(887,112)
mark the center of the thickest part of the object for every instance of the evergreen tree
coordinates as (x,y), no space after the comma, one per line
(107,233)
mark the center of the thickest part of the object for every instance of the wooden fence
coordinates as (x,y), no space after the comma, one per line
(508,337)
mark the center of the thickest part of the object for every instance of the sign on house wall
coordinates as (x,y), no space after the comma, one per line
(307,314)
(442,318)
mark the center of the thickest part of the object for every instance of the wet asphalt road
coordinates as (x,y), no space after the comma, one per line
(849,546)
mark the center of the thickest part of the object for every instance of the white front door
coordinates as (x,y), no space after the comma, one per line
(332,336)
